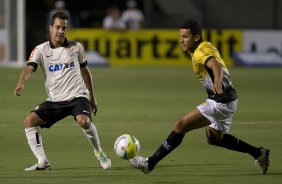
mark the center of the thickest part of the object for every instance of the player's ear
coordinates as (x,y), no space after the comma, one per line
(50,27)
(197,37)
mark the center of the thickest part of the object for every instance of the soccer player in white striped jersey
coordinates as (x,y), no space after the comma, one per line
(215,114)
(69,86)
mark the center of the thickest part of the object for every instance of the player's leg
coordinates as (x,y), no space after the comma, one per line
(190,121)
(217,138)
(31,122)
(91,134)
(220,116)
(90,131)
(228,141)
(81,110)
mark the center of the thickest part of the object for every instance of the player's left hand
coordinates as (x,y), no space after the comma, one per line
(217,88)
(94,109)
(94,106)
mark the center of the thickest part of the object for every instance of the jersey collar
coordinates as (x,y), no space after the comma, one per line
(196,45)
(65,44)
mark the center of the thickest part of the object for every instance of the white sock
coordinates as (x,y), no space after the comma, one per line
(92,135)
(35,142)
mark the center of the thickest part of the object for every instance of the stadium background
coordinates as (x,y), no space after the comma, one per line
(224,23)
(145,99)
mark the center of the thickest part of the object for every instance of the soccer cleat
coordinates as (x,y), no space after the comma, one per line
(104,160)
(140,163)
(263,160)
(39,167)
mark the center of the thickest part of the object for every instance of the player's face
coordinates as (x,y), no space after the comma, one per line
(58,31)
(187,40)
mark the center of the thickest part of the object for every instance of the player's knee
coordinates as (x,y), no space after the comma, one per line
(212,140)
(33,120)
(28,122)
(180,126)
(83,121)
(209,141)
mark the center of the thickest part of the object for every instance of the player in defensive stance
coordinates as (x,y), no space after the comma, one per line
(215,113)
(68,83)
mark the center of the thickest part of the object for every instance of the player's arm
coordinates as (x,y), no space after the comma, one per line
(86,75)
(216,67)
(24,76)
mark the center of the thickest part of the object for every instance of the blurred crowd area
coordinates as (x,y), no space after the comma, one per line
(169,13)
(239,14)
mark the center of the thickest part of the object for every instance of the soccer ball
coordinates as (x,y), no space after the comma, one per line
(126,146)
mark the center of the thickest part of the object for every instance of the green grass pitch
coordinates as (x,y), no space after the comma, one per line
(144,101)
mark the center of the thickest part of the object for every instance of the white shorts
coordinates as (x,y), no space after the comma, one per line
(219,114)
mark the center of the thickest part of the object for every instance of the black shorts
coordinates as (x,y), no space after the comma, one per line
(52,112)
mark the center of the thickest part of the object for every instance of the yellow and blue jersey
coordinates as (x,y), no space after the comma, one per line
(200,57)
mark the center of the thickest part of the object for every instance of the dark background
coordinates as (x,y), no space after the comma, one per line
(241,14)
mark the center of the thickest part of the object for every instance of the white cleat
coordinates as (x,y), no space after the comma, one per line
(105,162)
(263,160)
(140,163)
(39,167)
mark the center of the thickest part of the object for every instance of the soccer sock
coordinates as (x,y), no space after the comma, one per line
(92,135)
(230,142)
(173,140)
(35,142)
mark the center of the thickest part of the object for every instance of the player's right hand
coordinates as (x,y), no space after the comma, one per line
(17,90)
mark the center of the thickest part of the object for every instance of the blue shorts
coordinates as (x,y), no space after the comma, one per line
(52,112)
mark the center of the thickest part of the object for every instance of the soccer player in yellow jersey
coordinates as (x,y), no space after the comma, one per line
(215,114)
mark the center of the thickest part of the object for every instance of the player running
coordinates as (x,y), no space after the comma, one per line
(68,83)
(215,113)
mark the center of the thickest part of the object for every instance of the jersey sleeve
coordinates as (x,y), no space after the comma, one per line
(34,58)
(81,54)
(203,54)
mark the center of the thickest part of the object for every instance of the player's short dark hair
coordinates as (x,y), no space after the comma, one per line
(59,15)
(194,27)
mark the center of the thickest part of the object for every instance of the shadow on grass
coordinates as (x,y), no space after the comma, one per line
(92,168)
(217,170)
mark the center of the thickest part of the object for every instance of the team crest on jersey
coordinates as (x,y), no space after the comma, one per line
(70,52)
